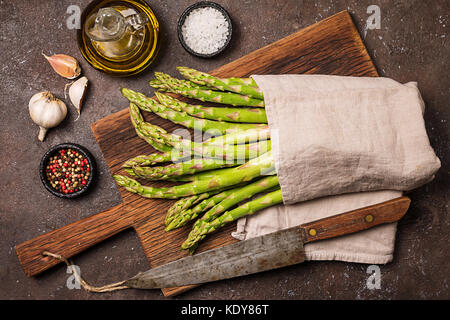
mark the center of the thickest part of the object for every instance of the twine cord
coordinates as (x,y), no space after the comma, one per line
(106,288)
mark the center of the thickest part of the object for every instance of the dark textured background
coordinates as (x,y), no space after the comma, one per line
(412,45)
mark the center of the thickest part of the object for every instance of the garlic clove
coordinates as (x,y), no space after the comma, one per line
(42,133)
(64,65)
(77,92)
(46,111)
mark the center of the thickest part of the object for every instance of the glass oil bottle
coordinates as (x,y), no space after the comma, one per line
(119,37)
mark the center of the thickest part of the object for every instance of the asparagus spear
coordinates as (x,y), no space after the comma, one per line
(206,79)
(137,120)
(231,136)
(181,168)
(236,152)
(228,81)
(246,172)
(205,150)
(248,115)
(240,81)
(229,152)
(147,160)
(182,118)
(248,208)
(239,137)
(179,206)
(158,85)
(162,86)
(192,213)
(174,85)
(234,138)
(194,92)
(205,175)
(185,203)
(237,81)
(155,158)
(238,195)
(153,133)
(184,178)
(241,194)
(156,145)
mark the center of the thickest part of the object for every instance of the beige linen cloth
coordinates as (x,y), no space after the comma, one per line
(342,143)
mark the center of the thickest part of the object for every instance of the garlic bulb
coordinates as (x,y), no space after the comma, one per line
(46,111)
(76,93)
(64,65)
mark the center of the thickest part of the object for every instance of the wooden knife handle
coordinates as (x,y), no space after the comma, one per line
(71,239)
(356,220)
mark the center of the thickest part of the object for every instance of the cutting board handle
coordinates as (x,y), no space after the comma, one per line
(356,220)
(71,239)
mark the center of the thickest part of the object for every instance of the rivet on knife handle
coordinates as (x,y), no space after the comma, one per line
(356,220)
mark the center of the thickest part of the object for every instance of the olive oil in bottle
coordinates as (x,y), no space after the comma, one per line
(119,37)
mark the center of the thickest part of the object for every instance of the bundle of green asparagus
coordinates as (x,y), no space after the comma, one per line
(225,177)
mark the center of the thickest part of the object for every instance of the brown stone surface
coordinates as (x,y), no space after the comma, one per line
(411,45)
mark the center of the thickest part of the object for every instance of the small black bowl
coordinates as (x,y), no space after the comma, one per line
(52,151)
(203,4)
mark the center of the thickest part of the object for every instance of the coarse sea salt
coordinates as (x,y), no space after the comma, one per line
(205,30)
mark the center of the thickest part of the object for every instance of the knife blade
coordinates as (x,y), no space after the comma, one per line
(270,251)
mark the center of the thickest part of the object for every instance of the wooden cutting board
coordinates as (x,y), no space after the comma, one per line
(331,46)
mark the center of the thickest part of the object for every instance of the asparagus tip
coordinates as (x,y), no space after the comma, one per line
(121,180)
(124,91)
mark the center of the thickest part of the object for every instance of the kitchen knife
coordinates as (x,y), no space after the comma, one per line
(270,251)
